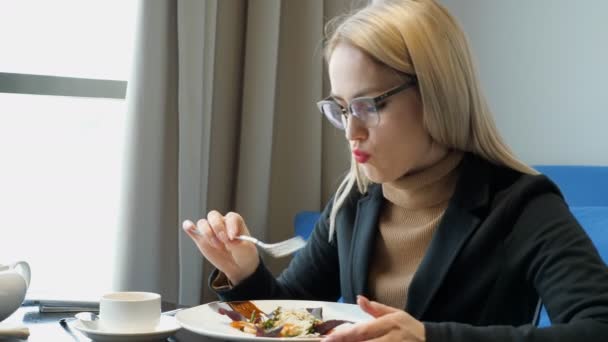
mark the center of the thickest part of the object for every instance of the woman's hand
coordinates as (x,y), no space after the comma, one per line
(390,325)
(215,239)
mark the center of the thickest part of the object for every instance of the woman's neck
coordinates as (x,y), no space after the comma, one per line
(426,187)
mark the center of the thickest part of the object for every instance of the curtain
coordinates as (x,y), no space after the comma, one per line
(222,115)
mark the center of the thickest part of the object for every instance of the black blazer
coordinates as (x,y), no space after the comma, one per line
(505,239)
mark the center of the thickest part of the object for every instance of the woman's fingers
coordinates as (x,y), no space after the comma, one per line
(190,229)
(208,234)
(217,225)
(201,233)
(215,238)
(374,308)
(235,225)
(188,225)
(360,331)
(216,230)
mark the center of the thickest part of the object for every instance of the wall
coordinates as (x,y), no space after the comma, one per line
(544,68)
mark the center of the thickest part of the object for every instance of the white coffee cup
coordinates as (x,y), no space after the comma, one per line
(129,312)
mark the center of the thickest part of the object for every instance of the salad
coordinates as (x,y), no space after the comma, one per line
(281,322)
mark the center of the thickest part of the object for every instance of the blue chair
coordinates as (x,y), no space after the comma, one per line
(582,186)
(304,223)
(585,189)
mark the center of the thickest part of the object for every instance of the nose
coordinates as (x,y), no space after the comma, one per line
(355,129)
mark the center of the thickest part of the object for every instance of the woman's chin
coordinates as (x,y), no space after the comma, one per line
(373,175)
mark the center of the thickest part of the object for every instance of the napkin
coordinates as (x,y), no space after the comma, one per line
(51,302)
(14,330)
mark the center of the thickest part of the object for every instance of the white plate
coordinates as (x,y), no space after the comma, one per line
(206,321)
(166,327)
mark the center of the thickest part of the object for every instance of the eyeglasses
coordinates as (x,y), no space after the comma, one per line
(365,109)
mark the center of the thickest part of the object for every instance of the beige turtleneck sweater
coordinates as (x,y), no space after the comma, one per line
(415,204)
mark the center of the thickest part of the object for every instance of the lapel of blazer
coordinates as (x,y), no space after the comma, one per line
(364,235)
(455,228)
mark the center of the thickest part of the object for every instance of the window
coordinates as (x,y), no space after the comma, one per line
(63,72)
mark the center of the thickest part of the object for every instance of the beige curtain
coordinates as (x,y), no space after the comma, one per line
(222,116)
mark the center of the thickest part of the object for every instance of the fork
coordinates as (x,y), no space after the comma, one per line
(279,249)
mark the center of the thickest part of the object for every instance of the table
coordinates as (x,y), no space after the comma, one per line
(45,327)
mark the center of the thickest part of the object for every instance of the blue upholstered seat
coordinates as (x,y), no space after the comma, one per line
(304,222)
(582,186)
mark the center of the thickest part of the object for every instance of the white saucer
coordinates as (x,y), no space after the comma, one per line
(166,327)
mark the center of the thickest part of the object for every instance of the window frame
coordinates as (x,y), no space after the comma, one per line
(61,86)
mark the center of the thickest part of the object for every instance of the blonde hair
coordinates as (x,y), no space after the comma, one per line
(420,37)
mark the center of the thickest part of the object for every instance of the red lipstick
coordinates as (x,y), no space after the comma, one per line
(360,156)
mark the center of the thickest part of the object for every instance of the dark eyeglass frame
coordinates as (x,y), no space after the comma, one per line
(375,101)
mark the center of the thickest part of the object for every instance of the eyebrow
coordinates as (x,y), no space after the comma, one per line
(360,93)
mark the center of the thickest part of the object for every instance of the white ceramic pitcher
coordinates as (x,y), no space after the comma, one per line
(14,282)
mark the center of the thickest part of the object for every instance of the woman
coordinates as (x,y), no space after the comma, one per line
(450,234)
